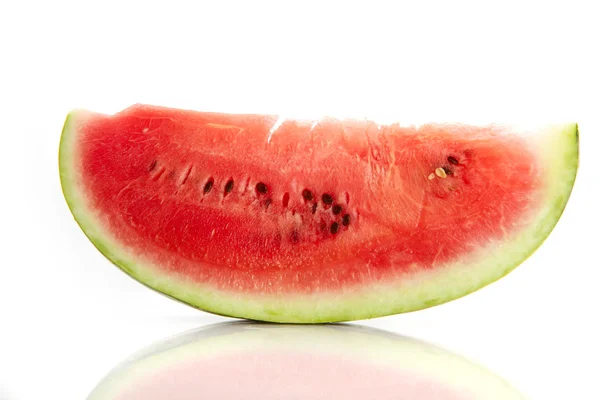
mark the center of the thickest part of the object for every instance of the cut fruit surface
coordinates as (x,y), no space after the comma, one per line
(262,361)
(275,219)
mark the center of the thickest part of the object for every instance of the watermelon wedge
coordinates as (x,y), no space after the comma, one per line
(261,361)
(286,220)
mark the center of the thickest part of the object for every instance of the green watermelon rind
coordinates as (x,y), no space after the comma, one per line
(558,150)
(347,343)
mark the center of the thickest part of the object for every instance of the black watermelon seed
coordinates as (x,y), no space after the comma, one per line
(336,209)
(327,199)
(229,186)
(208,186)
(152,166)
(307,194)
(261,188)
(452,160)
(334,228)
(447,170)
(314,208)
(346,220)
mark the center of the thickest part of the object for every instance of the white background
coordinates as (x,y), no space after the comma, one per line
(67,316)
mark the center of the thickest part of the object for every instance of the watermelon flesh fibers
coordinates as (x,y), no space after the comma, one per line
(286,220)
(261,361)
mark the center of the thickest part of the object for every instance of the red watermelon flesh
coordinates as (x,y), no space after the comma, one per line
(288,220)
(310,362)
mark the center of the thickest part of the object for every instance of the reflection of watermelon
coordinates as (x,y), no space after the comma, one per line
(257,361)
(286,220)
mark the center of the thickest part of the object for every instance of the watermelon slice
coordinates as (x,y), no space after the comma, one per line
(259,361)
(286,220)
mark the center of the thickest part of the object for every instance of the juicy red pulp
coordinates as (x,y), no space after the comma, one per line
(312,207)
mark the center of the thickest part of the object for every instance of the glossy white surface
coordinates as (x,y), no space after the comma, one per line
(269,361)
(68,316)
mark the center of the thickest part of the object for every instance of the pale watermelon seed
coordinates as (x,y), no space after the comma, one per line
(286,199)
(152,166)
(186,175)
(295,237)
